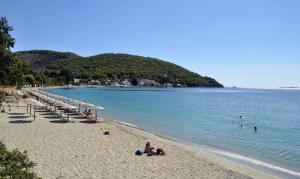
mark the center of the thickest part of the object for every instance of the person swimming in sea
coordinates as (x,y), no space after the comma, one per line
(255,128)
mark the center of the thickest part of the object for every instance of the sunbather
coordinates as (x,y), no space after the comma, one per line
(147,147)
(160,151)
(151,150)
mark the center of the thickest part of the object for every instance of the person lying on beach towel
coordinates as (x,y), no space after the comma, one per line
(151,150)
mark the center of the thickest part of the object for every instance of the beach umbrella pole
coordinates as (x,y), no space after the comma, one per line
(96,114)
(34,113)
(30,109)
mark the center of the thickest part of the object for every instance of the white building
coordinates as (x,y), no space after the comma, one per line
(77,80)
(146,82)
(126,82)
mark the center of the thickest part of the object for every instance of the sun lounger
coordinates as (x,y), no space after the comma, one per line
(64,117)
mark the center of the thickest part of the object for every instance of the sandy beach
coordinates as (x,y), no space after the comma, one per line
(80,150)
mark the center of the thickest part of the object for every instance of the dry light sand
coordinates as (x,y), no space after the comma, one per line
(80,150)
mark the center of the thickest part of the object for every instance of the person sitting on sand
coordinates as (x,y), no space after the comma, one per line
(147,147)
(151,150)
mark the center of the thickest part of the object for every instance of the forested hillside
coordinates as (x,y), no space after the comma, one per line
(65,66)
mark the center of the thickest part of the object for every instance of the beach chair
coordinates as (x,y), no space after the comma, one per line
(91,119)
(64,117)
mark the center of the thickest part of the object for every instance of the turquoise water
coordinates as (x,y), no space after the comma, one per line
(211,117)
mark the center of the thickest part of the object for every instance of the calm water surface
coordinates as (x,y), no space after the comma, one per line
(210,117)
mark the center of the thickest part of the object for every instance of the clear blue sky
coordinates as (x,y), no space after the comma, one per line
(246,43)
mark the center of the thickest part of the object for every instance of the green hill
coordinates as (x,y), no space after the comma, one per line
(113,67)
(40,58)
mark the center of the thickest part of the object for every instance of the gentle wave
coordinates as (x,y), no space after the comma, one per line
(125,123)
(255,162)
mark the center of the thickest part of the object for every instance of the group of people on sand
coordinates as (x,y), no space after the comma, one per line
(150,150)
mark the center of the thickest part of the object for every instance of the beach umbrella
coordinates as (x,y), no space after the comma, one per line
(65,99)
(56,103)
(51,101)
(87,105)
(67,106)
(45,98)
(33,103)
(59,103)
(73,101)
(41,96)
(96,108)
(19,93)
(39,104)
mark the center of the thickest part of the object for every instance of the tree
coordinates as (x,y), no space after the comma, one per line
(15,164)
(2,98)
(67,75)
(6,41)
(30,79)
(134,81)
(7,60)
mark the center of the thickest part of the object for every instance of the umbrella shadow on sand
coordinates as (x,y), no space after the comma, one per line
(61,121)
(18,117)
(72,114)
(51,117)
(20,121)
(78,117)
(45,114)
(40,110)
(89,122)
(16,113)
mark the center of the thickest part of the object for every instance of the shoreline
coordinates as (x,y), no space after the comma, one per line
(137,87)
(52,145)
(227,155)
(216,153)
(224,154)
(235,158)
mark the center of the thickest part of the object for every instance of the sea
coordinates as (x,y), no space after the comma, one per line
(217,121)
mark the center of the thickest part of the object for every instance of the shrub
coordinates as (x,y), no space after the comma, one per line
(15,164)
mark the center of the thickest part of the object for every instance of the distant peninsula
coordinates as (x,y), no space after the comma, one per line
(290,87)
(110,70)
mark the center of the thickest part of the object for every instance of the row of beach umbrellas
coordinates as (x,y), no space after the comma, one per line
(60,101)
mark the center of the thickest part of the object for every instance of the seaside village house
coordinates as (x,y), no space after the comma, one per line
(168,85)
(77,80)
(95,82)
(126,82)
(146,82)
(115,84)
